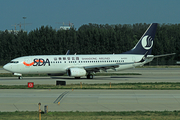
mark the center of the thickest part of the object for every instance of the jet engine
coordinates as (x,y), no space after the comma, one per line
(76,72)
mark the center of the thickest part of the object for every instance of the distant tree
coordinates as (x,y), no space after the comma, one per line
(89,39)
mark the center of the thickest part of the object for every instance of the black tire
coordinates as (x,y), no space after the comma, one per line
(90,76)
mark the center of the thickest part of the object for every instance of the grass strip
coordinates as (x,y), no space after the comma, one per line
(132,86)
(127,115)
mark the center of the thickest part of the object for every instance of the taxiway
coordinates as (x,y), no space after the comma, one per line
(94,100)
(148,75)
(90,100)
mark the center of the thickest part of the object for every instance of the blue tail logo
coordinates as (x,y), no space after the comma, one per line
(147,42)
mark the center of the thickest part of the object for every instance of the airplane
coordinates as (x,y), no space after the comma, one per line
(85,65)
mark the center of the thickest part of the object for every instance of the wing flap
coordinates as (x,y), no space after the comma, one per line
(97,68)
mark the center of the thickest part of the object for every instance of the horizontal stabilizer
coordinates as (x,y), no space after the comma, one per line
(156,56)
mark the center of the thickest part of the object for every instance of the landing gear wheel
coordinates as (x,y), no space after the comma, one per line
(89,76)
(20,77)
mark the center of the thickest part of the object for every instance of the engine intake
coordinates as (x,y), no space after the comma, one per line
(76,72)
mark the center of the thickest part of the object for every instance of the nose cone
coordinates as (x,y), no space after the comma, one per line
(6,67)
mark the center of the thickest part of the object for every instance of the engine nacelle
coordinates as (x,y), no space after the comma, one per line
(76,72)
(18,74)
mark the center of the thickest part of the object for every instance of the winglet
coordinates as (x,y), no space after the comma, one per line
(67,53)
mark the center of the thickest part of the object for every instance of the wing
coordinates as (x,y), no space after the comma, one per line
(97,68)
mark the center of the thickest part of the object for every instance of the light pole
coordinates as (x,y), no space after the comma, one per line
(24,21)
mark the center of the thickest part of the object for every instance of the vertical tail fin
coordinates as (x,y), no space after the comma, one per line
(146,42)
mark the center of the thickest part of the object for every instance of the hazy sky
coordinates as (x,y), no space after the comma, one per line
(79,12)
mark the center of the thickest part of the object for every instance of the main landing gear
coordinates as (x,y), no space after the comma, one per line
(89,76)
(20,77)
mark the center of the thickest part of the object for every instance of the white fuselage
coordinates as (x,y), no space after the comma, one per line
(60,63)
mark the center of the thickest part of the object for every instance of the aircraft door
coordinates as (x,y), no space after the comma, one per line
(78,62)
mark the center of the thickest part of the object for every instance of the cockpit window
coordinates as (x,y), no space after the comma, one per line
(14,62)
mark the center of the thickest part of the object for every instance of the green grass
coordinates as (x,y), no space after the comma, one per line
(131,115)
(134,86)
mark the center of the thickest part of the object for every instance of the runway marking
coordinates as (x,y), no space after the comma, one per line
(16,107)
(61,97)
